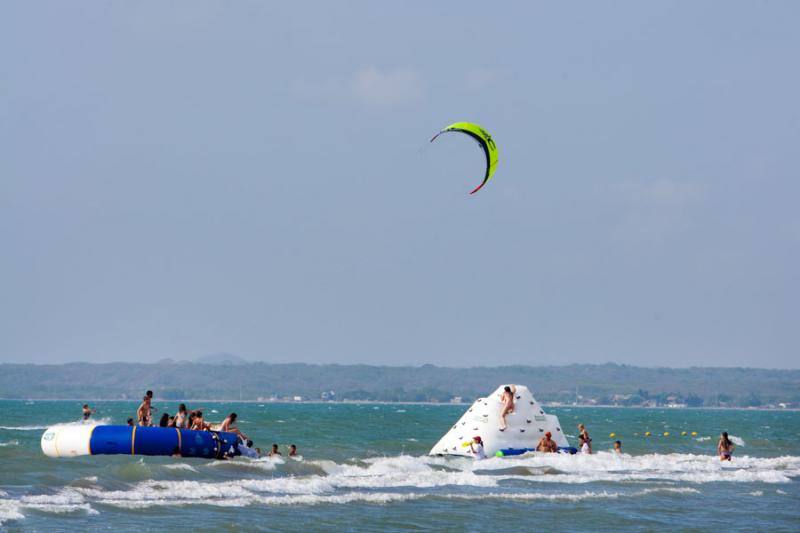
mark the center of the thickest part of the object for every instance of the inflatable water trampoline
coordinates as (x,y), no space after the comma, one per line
(71,440)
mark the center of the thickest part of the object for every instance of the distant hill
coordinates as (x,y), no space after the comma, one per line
(607,384)
(221,358)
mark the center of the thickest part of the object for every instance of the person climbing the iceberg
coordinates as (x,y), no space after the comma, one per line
(507,399)
(476,447)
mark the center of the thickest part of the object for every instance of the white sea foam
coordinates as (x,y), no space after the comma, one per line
(737,440)
(23,428)
(138,500)
(9,443)
(181,466)
(381,480)
(10,510)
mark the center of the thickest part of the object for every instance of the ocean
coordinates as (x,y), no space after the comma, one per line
(364,467)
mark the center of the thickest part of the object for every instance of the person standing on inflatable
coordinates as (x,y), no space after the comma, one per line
(507,398)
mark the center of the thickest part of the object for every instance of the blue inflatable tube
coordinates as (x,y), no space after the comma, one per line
(69,441)
(519,451)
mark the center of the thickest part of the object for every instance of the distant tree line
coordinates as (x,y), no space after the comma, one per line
(607,384)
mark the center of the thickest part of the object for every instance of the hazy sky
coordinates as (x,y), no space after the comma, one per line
(182,178)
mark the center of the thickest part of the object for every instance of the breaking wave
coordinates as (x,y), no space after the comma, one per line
(385,480)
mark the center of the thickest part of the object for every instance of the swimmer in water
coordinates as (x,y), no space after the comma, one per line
(584,446)
(725,447)
(292,450)
(274,451)
(87,411)
(547,444)
(585,434)
(617,446)
(507,398)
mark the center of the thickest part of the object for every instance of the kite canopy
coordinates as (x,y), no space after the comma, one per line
(485,141)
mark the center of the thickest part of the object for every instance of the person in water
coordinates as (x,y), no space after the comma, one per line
(292,450)
(584,445)
(274,451)
(507,399)
(87,411)
(227,425)
(585,434)
(617,446)
(725,447)
(476,447)
(246,449)
(547,444)
(130,421)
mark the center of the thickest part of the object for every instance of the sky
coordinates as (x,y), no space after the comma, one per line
(190,177)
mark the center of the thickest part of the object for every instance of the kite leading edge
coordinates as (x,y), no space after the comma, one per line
(482,137)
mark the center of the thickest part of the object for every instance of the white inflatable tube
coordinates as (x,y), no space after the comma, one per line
(69,440)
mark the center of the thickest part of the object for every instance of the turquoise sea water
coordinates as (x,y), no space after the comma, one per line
(365,468)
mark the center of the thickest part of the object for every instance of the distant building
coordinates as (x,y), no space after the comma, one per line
(297,398)
(456,399)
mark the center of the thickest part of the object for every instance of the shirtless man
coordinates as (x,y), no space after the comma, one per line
(274,451)
(87,411)
(292,450)
(227,425)
(143,412)
(547,444)
(507,399)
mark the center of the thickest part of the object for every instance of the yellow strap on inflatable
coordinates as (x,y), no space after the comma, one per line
(89,444)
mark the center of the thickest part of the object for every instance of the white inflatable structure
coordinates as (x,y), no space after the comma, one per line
(526,425)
